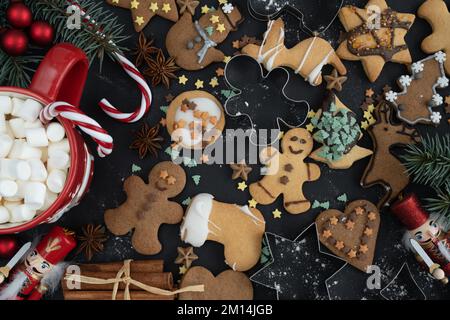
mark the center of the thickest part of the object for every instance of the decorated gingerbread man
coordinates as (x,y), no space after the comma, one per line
(147,206)
(287,171)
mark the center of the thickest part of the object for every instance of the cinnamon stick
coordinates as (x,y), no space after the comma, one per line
(135,266)
(106,295)
(162,280)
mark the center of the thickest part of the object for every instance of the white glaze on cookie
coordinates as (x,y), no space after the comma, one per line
(194,229)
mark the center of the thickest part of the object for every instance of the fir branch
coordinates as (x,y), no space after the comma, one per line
(428,162)
(3,6)
(440,204)
(15,71)
(96,40)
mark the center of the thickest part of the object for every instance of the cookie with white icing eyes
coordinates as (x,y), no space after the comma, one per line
(239,228)
(195,119)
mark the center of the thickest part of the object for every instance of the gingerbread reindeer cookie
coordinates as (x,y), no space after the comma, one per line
(147,206)
(192,43)
(239,228)
(287,171)
(307,58)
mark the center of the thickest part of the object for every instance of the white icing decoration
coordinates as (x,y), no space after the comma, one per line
(246,210)
(437,99)
(417,67)
(203,105)
(405,81)
(228,8)
(271,53)
(195,227)
(317,71)
(440,57)
(442,82)
(208,43)
(435,117)
(305,57)
(391,96)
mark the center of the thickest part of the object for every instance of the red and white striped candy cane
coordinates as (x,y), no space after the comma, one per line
(80,119)
(146,99)
(131,70)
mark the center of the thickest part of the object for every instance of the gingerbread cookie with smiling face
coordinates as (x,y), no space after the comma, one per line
(147,206)
(193,43)
(287,172)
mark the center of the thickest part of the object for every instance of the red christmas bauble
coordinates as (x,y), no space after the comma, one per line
(41,33)
(19,15)
(8,246)
(14,42)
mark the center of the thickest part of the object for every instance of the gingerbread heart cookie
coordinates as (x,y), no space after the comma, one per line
(229,285)
(147,206)
(352,234)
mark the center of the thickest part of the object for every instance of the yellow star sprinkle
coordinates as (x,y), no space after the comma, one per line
(242,186)
(372,121)
(183,269)
(220,27)
(281,135)
(310,127)
(364,125)
(276,214)
(370,108)
(311,114)
(154,6)
(252,203)
(367,115)
(115,1)
(214,82)
(226,59)
(199,84)
(205,9)
(134,4)
(182,79)
(166,7)
(223,1)
(139,20)
(214,19)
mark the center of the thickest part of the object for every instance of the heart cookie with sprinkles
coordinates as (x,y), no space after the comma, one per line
(352,234)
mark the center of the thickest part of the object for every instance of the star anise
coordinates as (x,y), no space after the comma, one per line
(91,240)
(186,256)
(147,140)
(161,70)
(144,49)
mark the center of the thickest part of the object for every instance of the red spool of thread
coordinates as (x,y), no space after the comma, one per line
(410,212)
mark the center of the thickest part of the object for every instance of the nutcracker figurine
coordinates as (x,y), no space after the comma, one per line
(430,243)
(41,267)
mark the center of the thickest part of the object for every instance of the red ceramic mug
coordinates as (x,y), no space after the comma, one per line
(60,77)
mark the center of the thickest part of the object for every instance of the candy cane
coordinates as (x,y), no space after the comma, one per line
(80,119)
(131,70)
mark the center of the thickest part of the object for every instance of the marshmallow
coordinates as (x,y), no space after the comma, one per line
(58,160)
(17,105)
(36,137)
(56,180)
(30,110)
(38,170)
(17,126)
(5,105)
(61,145)
(50,198)
(15,169)
(44,154)
(8,188)
(3,127)
(6,143)
(21,213)
(34,195)
(21,150)
(34,124)
(4,215)
(55,132)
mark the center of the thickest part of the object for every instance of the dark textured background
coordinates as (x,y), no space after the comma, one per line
(106,189)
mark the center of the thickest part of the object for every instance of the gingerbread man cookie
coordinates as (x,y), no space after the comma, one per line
(192,43)
(307,58)
(147,206)
(375,35)
(438,16)
(287,171)
(239,228)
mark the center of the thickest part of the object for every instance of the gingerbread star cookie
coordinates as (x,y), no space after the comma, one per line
(352,234)
(375,35)
(143,11)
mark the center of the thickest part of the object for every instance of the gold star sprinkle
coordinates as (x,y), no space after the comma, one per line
(214,19)
(154,6)
(372,216)
(134,4)
(326,233)
(220,27)
(372,121)
(139,20)
(359,211)
(205,9)
(182,79)
(226,59)
(199,84)
(242,186)
(221,2)
(252,203)
(351,254)
(276,214)
(367,115)
(364,125)
(363,248)
(220,72)
(333,221)
(182,269)
(339,245)
(166,7)
(311,114)
(163,122)
(163,174)
(368,231)
(310,127)
(349,224)
(214,82)
(115,1)
(369,92)
(371,108)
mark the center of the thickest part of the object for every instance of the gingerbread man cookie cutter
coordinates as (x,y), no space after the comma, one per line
(238,105)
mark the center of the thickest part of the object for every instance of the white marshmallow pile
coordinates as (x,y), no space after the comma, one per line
(34,160)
